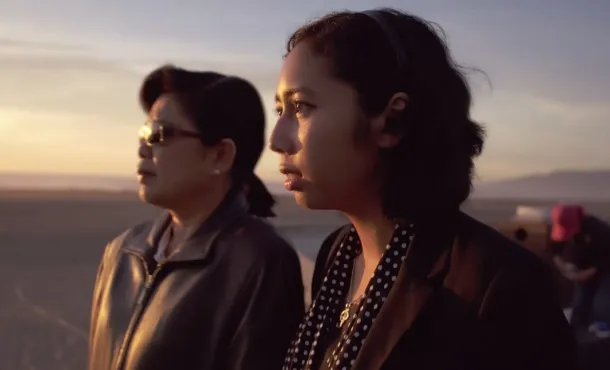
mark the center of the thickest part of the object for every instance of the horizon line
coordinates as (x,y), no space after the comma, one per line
(128,177)
(67,191)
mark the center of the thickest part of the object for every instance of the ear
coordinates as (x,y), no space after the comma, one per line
(223,155)
(386,136)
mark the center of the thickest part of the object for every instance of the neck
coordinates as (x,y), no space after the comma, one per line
(374,231)
(194,211)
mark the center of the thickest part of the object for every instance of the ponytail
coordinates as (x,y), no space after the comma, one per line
(260,199)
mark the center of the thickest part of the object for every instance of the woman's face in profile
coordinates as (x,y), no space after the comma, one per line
(315,134)
(176,167)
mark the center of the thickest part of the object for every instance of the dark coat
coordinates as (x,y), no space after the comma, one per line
(230,298)
(466,298)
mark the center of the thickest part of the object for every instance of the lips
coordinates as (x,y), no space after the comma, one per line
(294,178)
(143,172)
(296,184)
(145,177)
(291,172)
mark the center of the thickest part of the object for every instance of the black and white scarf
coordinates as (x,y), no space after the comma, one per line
(324,312)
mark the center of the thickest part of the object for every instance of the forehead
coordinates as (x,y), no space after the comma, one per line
(165,104)
(167,110)
(304,71)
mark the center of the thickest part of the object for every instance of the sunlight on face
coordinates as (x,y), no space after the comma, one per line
(175,169)
(315,134)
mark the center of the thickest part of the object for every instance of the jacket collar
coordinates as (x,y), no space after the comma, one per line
(198,245)
(426,264)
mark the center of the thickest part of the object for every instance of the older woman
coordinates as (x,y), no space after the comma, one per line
(209,284)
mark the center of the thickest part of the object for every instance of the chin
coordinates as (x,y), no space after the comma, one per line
(309,201)
(148,195)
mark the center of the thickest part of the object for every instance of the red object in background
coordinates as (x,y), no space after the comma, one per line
(566,221)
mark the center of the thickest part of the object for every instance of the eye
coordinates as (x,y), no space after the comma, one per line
(279,110)
(302,108)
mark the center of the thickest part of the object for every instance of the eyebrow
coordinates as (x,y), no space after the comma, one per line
(290,92)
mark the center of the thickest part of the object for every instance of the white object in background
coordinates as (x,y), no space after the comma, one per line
(532,214)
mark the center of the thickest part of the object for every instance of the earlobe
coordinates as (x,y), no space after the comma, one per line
(225,155)
(397,103)
(389,136)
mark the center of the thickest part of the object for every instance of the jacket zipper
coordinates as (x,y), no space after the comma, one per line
(135,318)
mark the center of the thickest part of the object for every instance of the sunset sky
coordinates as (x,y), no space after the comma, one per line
(70,70)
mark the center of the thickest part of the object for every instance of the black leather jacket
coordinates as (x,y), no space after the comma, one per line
(230,298)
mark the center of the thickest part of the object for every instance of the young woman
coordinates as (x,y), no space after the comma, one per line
(374,121)
(209,284)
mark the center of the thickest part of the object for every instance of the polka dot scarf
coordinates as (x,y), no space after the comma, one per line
(324,312)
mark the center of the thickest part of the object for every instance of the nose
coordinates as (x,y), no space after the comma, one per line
(144,151)
(284,137)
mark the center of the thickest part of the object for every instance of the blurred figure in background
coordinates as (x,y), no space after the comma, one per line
(374,121)
(209,284)
(580,243)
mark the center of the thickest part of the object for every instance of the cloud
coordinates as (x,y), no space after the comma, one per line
(9,42)
(82,83)
(531,133)
(87,85)
(261,72)
(562,55)
(68,84)
(49,141)
(574,114)
(80,113)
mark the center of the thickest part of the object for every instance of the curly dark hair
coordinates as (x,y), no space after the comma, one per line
(384,51)
(208,99)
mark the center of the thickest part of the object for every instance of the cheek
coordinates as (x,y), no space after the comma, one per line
(179,164)
(329,153)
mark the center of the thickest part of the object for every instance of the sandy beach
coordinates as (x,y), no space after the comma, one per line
(50,245)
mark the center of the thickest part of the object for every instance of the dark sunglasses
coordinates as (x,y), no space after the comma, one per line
(155,132)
